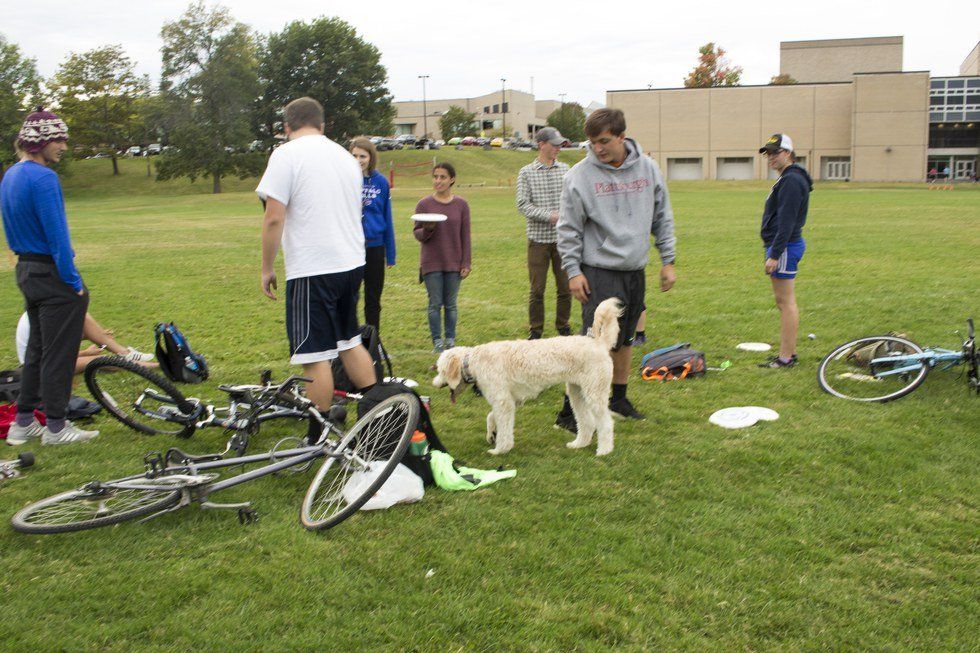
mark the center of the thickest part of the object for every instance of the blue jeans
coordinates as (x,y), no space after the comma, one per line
(443,287)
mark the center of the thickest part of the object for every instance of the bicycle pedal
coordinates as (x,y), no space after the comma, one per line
(247,516)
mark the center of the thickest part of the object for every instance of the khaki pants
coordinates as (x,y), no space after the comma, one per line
(539,257)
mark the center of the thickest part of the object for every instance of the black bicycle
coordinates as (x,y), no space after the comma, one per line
(357,464)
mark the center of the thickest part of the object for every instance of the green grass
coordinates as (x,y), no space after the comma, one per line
(838,527)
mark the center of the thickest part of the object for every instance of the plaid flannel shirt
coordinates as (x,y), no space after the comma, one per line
(538,195)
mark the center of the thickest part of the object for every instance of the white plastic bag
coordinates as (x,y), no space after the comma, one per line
(403,486)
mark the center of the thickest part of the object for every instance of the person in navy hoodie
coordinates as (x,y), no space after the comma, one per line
(379,230)
(55,297)
(782,235)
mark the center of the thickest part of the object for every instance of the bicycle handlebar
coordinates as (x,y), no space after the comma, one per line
(969,322)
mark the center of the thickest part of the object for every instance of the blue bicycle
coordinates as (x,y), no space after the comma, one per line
(883,368)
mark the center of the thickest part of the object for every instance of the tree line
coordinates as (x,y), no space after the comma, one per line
(222,87)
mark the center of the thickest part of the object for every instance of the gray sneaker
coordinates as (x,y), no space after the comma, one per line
(18,435)
(68,435)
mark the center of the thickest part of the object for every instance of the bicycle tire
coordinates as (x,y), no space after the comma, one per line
(838,375)
(105,374)
(54,514)
(382,435)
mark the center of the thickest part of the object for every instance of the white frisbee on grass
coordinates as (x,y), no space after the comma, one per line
(738,417)
(429,217)
(753,346)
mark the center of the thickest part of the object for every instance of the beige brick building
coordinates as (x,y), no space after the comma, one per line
(516,109)
(854,114)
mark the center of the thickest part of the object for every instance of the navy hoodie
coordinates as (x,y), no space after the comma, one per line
(376,216)
(785,212)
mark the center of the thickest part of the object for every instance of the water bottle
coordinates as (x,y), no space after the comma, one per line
(419,445)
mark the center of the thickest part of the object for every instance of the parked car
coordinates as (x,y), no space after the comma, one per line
(388,144)
(153,148)
(135,150)
(468,140)
(407,140)
(521,145)
(481,141)
(455,140)
(421,144)
(100,155)
(497,142)
(376,140)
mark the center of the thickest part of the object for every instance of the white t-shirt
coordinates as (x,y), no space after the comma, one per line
(23,333)
(320,183)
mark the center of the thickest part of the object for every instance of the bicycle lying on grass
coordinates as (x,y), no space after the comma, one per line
(883,368)
(358,462)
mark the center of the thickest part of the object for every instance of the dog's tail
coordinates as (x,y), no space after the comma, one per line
(605,325)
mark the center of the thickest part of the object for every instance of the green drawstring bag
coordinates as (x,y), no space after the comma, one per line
(448,476)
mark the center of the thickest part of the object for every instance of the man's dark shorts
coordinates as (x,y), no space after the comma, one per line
(321,315)
(628,286)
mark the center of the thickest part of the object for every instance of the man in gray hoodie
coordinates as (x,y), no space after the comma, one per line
(610,204)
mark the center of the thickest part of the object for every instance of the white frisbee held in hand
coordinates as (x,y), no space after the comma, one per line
(429,217)
(753,346)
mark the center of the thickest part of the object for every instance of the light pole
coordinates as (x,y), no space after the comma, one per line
(562,96)
(503,105)
(425,121)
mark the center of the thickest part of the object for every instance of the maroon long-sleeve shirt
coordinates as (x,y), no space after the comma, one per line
(447,247)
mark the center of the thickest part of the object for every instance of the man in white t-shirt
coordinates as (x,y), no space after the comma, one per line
(312,194)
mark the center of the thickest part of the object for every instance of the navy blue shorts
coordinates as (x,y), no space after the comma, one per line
(321,315)
(789,261)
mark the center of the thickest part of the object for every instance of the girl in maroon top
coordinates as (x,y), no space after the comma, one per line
(445,258)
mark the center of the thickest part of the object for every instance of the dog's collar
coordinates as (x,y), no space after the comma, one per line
(466,376)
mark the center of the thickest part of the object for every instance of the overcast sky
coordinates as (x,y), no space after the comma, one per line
(574,47)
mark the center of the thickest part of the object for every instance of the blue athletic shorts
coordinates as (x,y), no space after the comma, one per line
(789,262)
(321,315)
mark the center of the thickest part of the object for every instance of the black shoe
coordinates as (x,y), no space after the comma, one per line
(534,335)
(774,363)
(565,331)
(623,408)
(566,420)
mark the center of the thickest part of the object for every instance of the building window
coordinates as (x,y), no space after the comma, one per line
(835,167)
(684,168)
(496,108)
(955,83)
(504,107)
(946,135)
(486,109)
(937,83)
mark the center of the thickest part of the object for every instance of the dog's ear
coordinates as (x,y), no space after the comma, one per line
(453,371)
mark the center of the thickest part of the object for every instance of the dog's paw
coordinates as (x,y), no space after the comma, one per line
(491,437)
(576,444)
(497,451)
(603,451)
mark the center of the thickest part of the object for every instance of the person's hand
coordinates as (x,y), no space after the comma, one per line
(579,286)
(91,350)
(771,265)
(269,284)
(81,293)
(553,218)
(464,272)
(667,277)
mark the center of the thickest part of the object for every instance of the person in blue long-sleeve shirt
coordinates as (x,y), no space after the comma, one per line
(782,236)
(379,230)
(36,227)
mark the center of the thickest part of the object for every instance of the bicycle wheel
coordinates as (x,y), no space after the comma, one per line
(139,398)
(867,369)
(91,507)
(377,443)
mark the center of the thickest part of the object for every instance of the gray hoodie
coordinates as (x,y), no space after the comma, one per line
(607,214)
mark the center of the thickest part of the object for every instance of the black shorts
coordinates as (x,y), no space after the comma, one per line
(627,285)
(321,315)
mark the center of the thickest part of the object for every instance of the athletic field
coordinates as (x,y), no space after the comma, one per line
(838,527)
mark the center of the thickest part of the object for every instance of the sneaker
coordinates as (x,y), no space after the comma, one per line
(437,347)
(565,331)
(774,363)
(68,435)
(138,356)
(534,335)
(18,435)
(450,343)
(566,420)
(624,409)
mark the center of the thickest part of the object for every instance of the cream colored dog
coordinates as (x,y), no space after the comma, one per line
(510,372)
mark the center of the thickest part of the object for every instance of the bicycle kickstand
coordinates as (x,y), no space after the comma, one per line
(246,513)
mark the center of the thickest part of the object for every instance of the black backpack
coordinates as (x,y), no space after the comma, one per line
(382,363)
(673,363)
(9,386)
(418,464)
(177,360)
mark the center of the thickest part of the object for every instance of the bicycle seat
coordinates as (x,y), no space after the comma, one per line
(239,392)
(175,455)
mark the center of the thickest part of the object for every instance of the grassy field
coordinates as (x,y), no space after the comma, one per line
(838,527)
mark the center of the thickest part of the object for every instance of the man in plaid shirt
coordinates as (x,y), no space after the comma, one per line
(538,193)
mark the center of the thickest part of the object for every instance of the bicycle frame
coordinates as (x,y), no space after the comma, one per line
(931,357)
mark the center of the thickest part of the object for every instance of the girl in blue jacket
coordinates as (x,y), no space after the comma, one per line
(379,230)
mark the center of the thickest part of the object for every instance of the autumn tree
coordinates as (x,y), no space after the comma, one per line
(713,69)
(782,80)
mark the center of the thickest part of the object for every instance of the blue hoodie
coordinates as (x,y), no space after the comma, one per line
(376,217)
(786,208)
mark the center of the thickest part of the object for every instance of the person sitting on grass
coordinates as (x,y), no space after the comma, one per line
(95,333)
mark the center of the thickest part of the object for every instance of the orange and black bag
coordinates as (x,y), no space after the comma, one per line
(673,363)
